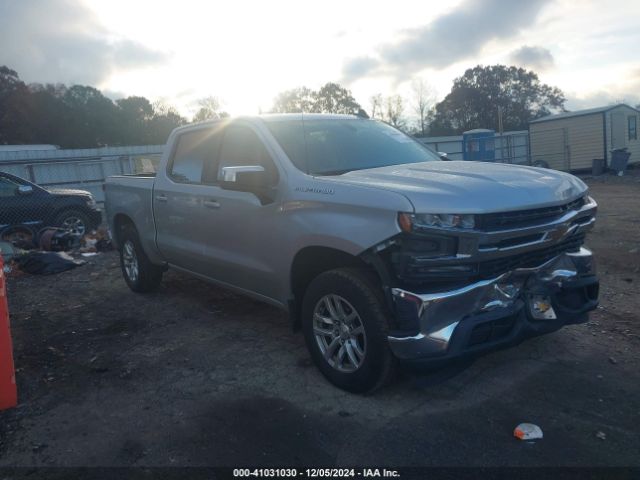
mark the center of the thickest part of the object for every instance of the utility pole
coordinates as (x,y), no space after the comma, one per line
(500,130)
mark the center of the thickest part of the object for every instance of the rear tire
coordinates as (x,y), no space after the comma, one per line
(141,275)
(345,325)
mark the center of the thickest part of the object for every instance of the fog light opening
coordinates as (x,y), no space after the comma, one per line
(541,308)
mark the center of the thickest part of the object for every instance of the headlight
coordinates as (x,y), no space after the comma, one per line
(91,202)
(411,222)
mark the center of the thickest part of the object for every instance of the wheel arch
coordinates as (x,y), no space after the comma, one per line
(121,221)
(311,261)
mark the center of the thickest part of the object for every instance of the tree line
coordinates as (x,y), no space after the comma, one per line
(80,116)
(495,96)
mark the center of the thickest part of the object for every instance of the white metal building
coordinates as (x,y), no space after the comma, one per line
(572,140)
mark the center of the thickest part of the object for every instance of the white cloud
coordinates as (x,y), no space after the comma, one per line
(451,37)
(245,52)
(63,41)
(536,58)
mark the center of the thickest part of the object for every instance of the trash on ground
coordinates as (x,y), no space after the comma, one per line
(46,263)
(20,236)
(7,249)
(89,254)
(528,431)
(97,241)
(601,435)
(57,239)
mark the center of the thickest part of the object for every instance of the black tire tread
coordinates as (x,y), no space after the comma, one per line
(366,284)
(149,274)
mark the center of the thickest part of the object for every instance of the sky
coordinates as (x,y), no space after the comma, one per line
(246,52)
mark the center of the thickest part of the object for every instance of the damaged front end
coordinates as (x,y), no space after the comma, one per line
(490,285)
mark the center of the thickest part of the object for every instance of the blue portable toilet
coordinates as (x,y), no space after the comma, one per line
(479,145)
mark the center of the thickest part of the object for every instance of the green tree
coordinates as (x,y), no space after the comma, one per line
(165,119)
(79,116)
(476,96)
(209,110)
(15,108)
(422,101)
(376,105)
(135,115)
(394,112)
(94,121)
(330,98)
(50,118)
(296,100)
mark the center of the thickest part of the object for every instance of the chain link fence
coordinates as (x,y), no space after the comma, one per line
(63,189)
(510,147)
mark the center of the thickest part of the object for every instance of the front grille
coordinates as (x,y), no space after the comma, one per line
(488,332)
(493,268)
(413,271)
(524,218)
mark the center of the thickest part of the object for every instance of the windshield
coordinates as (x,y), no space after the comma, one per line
(336,146)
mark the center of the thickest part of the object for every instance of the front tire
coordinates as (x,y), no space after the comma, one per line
(345,324)
(141,275)
(74,222)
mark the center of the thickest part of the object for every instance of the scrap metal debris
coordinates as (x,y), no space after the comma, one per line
(54,239)
(46,263)
(22,257)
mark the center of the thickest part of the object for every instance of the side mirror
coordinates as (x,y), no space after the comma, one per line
(241,174)
(444,156)
(250,178)
(25,189)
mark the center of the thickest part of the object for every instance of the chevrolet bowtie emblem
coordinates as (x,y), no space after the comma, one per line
(560,232)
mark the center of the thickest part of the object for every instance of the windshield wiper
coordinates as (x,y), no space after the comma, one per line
(334,172)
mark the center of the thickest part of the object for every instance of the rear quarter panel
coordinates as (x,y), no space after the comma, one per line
(131,196)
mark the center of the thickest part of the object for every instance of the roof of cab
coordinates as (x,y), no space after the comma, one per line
(275,117)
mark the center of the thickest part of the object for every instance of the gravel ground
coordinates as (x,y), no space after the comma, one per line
(194,375)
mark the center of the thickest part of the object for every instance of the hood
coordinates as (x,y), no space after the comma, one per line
(67,192)
(470,187)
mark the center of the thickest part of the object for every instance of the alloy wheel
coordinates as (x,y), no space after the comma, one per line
(339,333)
(74,225)
(130,261)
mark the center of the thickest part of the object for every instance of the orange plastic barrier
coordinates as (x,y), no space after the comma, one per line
(8,391)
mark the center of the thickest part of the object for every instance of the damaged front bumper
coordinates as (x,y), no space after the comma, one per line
(494,313)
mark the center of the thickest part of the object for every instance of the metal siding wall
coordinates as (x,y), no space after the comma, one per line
(511,147)
(569,143)
(548,145)
(633,146)
(84,169)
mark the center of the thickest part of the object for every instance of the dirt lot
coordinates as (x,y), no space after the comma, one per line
(194,375)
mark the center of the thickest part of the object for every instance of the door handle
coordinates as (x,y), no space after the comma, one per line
(211,204)
(161,198)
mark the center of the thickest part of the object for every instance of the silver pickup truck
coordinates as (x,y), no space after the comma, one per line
(381,252)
